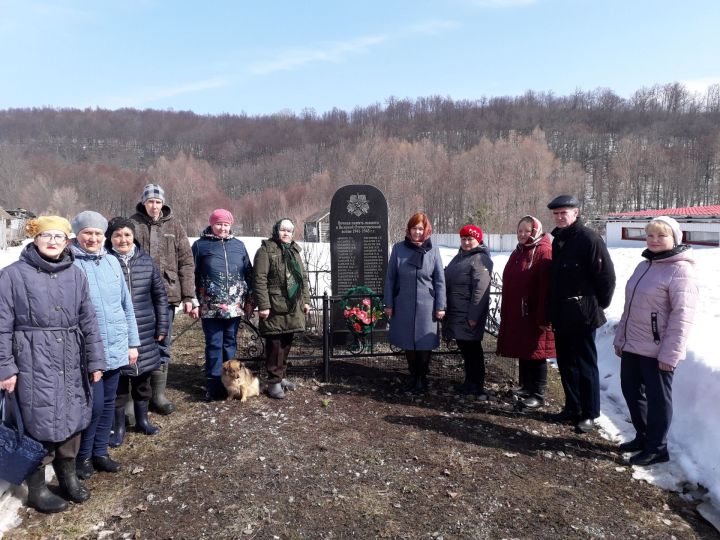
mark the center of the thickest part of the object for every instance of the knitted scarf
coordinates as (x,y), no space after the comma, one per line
(293,272)
(416,259)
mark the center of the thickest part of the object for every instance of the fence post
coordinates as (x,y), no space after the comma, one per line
(326,336)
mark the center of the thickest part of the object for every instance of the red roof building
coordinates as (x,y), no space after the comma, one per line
(712,211)
(700,225)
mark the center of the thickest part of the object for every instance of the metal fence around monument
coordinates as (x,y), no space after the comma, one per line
(327,343)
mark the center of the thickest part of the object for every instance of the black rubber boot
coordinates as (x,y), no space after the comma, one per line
(541,379)
(70,485)
(412,381)
(105,464)
(40,497)
(142,424)
(523,391)
(476,370)
(84,468)
(215,389)
(422,385)
(468,386)
(158,381)
(118,434)
(536,384)
(422,366)
(130,413)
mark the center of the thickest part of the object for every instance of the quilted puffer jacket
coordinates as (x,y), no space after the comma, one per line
(113,305)
(660,299)
(149,299)
(49,338)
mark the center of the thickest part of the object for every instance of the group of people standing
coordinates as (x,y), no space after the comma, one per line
(553,296)
(229,286)
(86,325)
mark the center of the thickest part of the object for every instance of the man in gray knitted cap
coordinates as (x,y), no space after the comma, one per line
(164,238)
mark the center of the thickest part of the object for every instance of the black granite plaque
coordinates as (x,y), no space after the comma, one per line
(358,240)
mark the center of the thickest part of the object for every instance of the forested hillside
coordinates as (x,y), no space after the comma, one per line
(491,160)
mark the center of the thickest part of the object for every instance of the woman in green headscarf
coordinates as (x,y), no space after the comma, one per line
(283,301)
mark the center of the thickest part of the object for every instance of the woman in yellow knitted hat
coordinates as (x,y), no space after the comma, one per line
(50,348)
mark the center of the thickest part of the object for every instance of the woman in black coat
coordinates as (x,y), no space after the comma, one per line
(150,304)
(467,282)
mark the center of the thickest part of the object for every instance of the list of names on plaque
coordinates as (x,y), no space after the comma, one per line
(347,271)
(373,263)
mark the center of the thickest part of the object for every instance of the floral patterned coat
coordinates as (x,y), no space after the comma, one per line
(223,276)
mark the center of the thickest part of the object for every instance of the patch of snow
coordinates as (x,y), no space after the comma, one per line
(695,432)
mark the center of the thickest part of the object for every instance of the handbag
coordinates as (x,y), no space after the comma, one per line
(20,454)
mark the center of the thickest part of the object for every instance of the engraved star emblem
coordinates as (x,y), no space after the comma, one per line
(358,205)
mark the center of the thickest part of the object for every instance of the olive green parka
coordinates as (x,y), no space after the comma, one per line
(271,291)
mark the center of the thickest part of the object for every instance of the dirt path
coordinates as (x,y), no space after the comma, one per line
(357,458)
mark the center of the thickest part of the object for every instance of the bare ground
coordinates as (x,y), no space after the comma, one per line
(357,458)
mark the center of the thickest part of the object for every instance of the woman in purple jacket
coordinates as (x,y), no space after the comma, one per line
(50,352)
(660,300)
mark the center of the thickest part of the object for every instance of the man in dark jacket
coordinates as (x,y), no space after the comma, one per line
(164,238)
(582,285)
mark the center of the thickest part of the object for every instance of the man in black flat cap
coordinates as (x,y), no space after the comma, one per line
(582,285)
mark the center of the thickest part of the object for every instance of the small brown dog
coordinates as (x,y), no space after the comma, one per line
(239,381)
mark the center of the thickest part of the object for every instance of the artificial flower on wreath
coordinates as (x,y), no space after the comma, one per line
(362,309)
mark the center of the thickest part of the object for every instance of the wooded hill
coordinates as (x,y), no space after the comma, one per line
(491,160)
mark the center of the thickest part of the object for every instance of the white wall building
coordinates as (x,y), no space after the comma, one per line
(494,242)
(700,226)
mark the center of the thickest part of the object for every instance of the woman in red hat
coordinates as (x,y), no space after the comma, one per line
(467,279)
(525,331)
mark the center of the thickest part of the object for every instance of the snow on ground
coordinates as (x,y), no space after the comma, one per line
(694,437)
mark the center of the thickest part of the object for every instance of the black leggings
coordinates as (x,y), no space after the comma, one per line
(474,359)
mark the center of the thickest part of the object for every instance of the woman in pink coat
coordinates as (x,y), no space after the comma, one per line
(660,300)
(524,323)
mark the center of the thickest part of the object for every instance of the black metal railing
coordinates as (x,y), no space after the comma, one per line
(328,336)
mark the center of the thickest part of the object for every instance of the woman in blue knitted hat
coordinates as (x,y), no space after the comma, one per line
(116,318)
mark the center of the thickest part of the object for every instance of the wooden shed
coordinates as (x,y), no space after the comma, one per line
(317,227)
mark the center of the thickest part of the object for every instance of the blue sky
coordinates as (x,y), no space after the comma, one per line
(255,57)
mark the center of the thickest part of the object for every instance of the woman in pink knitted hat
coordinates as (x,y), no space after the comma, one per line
(223,285)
